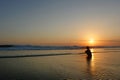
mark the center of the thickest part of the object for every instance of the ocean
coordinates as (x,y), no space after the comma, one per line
(63,64)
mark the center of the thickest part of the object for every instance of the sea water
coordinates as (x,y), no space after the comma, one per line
(60,64)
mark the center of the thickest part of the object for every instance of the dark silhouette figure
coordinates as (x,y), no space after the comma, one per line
(88,52)
(89,62)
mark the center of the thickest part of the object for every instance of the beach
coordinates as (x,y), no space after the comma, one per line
(53,39)
(104,65)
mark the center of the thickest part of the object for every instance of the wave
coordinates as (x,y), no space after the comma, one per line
(47,55)
(30,47)
(51,54)
(39,55)
(18,47)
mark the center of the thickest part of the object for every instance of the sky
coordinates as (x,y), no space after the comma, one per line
(60,22)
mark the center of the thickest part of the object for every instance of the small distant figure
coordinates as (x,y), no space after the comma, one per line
(88,52)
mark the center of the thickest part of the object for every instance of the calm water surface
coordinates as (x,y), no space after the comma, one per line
(47,65)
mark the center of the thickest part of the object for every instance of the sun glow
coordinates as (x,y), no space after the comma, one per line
(91,41)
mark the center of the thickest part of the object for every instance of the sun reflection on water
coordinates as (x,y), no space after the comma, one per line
(92,50)
(91,64)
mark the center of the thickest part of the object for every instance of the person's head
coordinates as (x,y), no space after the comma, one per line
(87,47)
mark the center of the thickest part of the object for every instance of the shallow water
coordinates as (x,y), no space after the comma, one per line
(103,65)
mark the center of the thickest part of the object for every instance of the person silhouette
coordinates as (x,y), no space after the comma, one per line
(88,52)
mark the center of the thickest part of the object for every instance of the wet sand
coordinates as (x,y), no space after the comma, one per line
(102,66)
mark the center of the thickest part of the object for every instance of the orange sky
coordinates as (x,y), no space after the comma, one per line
(60,22)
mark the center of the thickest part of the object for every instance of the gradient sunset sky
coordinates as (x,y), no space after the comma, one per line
(60,22)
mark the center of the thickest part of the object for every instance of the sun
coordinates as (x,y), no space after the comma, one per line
(91,41)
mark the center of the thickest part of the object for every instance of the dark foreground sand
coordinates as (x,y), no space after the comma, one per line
(102,66)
